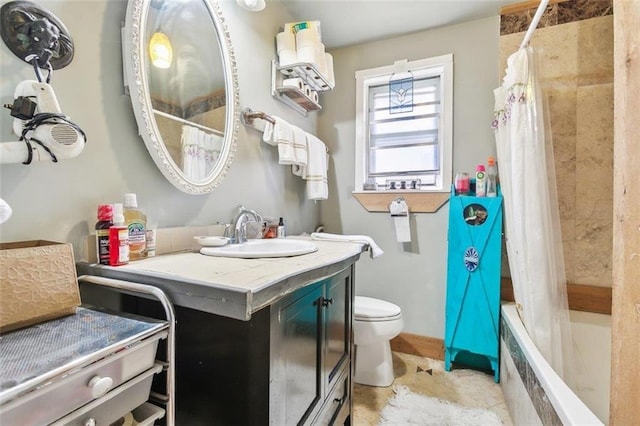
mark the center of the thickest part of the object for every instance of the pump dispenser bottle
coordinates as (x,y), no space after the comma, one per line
(136,222)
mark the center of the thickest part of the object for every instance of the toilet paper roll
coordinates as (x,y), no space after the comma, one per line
(307,91)
(307,37)
(308,54)
(328,59)
(403,230)
(287,57)
(322,63)
(285,40)
(314,96)
(294,82)
(399,211)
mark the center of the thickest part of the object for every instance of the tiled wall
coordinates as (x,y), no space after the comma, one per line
(575,41)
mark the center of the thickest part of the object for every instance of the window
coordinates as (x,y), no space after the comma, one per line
(404,126)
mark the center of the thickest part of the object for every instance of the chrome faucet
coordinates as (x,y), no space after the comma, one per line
(240,224)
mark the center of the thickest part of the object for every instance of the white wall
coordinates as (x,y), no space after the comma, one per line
(412,276)
(59,201)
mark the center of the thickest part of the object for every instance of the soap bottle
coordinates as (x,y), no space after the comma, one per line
(136,222)
(105,220)
(492,178)
(281,233)
(118,238)
(481,183)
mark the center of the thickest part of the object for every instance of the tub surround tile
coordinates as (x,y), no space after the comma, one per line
(569,248)
(594,267)
(578,10)
(595,41)
(555,14)
(594,157)
(564,152)
(576,71)
(520,21)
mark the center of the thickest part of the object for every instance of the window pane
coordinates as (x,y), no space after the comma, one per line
(410,159)
(407,142)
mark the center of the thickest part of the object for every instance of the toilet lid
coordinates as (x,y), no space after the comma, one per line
(370,309)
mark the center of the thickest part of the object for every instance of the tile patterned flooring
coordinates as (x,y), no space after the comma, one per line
(425,376)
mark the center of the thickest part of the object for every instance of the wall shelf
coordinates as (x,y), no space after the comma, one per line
(294,96)
(418,201)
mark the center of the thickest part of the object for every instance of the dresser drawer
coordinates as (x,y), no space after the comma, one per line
(337,400)
(115,404)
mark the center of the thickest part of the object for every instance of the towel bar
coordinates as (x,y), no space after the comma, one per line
(249,116)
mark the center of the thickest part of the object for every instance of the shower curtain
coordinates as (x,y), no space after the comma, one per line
(532,220)
(200,151)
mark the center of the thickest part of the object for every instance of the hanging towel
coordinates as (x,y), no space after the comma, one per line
(280,131)
(295,151)
(316,170)
(300,146)
(374,249)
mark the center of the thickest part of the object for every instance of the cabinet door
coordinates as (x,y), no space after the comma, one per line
(337,324)
(301,356)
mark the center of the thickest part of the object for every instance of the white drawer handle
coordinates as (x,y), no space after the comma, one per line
(100,385)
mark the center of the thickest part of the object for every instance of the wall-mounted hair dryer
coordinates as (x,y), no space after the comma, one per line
(45,133)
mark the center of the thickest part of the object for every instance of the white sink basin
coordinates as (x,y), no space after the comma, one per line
(256,249)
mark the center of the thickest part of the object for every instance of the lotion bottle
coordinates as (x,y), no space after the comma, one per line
(136,222)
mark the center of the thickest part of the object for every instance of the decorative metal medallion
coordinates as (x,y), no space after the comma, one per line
(471,259)
(31,31)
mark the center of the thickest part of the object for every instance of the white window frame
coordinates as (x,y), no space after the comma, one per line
(437,66)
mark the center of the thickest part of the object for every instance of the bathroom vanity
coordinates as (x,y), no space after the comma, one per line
(258,341)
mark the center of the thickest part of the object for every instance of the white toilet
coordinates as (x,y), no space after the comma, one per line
(375,323)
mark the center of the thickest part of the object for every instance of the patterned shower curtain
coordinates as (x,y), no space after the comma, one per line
(532,219)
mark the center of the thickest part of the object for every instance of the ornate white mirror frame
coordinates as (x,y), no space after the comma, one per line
(137,63)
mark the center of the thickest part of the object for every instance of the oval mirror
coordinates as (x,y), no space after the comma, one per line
(180,70)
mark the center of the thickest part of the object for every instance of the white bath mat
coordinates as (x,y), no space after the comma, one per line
(408,408)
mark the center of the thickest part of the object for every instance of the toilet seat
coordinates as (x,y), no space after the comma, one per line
(368,309)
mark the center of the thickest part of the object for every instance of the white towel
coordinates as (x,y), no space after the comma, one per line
(295,152)
(280,131)
(300,146)
(316,170)
(374,249)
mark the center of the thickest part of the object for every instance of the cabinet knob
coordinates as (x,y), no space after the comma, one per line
(100,385)
(326,302)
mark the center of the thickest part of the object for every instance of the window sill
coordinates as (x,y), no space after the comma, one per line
(418,201)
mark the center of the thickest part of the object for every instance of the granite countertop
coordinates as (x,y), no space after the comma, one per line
(231,287)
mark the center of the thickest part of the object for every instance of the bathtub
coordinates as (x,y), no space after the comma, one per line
(535,394)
